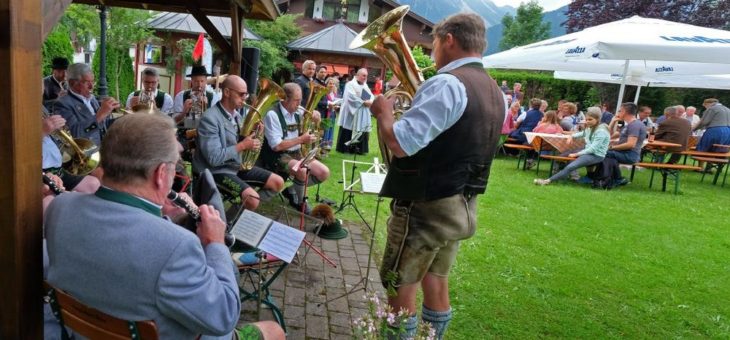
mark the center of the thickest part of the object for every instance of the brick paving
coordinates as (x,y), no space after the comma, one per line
(310,292)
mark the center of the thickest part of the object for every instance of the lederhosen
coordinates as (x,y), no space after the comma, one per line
(272,160)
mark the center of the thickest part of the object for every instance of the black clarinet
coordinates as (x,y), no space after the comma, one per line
(194,212)
(52,184)
(180,202)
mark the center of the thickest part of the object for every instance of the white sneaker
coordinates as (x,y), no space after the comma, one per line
(538,181)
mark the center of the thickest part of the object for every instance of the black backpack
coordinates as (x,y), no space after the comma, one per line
(605,174)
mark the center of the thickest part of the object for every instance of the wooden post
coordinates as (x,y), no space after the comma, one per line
(236,39)
(21,23)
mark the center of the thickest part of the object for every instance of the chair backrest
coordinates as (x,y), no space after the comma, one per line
(94,324)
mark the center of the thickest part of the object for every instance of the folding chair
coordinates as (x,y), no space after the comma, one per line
(93,324)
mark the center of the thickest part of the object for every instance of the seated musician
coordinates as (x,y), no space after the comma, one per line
(132,263)
(674,129)
(85,116)
(282,145)
(150,82)
(183,107)
(219,148)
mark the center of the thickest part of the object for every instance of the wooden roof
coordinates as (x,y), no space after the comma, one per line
(253,9)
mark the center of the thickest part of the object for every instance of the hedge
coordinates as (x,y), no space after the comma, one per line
(118,67)
(58,44)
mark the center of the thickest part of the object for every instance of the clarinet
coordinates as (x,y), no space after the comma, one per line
(52,184)
(193,211)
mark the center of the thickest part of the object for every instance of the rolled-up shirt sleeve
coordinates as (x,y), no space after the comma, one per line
(438,104)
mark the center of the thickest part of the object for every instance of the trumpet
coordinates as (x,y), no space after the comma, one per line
(316,92)
(269,94)
(146,104)
(199,98)
(80,155)
(384,36)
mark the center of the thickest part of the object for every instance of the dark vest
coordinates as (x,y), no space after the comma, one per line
(159,99)
(458,160)
(186,96)
(268,158)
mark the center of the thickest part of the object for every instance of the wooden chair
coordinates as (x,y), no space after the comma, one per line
(93,324)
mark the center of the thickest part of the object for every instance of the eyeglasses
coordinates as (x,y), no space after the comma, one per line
(243,95)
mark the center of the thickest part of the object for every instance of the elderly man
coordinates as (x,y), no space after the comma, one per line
(150,82)
(282,146)
(716,121)
(219,148)
(131,262)
(355,115)
(674,129)
(85,116)
(434,185)
(309,68)
(55,84)
(690,116)
(197,94)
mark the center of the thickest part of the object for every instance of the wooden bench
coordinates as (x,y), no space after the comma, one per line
(559,159)
(522,150)
(714,163)
(667,170)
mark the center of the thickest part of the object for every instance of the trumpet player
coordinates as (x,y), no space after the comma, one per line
(150,92)
(55,85)
(192,102)
(219,148)
(85,116)
(283,141)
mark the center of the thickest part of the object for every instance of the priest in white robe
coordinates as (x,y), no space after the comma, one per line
(354,116)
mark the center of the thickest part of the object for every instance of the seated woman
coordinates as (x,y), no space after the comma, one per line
(549,124)
(597,139)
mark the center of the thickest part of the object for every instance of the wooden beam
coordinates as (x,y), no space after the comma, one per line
(213,32)
(52,13)
(236,39)
(21,26)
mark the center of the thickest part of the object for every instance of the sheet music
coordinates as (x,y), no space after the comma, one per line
(251,227)
(282,241)
(372,182)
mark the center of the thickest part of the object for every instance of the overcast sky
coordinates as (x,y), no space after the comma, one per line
(547,5)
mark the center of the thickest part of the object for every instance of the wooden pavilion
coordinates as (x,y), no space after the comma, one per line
(24,24)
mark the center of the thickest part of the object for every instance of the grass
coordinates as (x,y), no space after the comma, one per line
(567,261)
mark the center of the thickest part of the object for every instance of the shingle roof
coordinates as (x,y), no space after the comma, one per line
(334,39)
(186,23)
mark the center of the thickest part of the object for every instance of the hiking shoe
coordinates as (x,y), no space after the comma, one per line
(538,181)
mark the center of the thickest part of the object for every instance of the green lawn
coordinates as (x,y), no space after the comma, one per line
(567,261)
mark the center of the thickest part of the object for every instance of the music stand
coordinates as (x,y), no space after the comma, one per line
(351,187)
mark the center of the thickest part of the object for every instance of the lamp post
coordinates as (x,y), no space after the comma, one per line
(102,85)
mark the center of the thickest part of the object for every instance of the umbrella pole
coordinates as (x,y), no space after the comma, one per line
(623,85)
(636,98)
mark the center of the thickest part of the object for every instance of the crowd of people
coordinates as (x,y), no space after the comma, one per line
(621,136)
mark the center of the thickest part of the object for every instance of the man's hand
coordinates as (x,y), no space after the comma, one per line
(382,106)
(306,138)
(187,105)
(106,107)
(249,143)
(210,227)
(46,190)
(574,155)
(53,123)
(134,101)
(316,116)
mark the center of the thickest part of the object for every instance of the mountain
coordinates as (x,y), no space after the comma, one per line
(434,11)
(555,18)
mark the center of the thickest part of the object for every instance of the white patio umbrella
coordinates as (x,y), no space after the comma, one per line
(700,81)
(634,46)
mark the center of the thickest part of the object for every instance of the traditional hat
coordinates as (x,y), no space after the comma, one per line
(59,63)
(331,228)
(199,70)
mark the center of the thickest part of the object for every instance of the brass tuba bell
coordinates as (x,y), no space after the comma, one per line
(80,156)
(316,92)
(269,94)
(384,36)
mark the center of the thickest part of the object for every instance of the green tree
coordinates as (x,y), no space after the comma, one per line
(57,44)
(424,62)
(276,35)
(526,27)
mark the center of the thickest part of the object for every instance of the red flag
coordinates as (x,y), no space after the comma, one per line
(198,50)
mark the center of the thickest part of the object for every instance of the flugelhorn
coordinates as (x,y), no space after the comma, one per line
(80,156)
(269,94)
(146,104)
(316,92)
(384,36)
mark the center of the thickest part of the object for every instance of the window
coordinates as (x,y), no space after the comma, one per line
(347,9)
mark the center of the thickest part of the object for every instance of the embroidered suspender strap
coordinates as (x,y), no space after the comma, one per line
(160,99)
(284,125)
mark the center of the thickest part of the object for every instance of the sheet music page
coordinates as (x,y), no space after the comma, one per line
(251,227)
(372,182)
(282,241)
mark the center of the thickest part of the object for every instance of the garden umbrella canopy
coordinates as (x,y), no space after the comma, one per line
(634,46)
(683,81)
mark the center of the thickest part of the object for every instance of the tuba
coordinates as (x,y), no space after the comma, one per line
(384,36)
(80,155)
(269,94)
(316,92)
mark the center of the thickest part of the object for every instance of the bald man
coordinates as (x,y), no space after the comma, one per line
(220,147)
